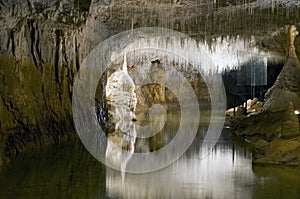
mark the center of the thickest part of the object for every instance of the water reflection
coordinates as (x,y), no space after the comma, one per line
(63,171)
(68,171)
(224,173)
(120,140)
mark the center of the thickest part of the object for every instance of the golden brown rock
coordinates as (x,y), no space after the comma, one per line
(290,123)
(292,50)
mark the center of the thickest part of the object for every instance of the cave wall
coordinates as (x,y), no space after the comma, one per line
(42,44)
(39,59)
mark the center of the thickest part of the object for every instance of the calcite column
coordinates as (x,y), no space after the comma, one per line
(121,103)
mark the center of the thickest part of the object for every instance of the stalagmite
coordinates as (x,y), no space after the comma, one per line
(121,101)
(121,96)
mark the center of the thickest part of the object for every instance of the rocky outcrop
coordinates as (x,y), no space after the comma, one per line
(290,123)
(275,132)
(253,107)
(274,136)
(287,86)
(285,90)
(150,94)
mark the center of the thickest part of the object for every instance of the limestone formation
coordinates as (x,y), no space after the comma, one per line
(290,123)
(292,50)
(287,86)
(42,44)
(260,149)
(278,151)
(237,111)
(254,106)
(275,132)
(121,101)
(121,97)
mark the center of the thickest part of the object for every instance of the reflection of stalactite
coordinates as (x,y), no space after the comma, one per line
(119,141)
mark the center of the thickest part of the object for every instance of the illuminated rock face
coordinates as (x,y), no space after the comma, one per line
(290,123)
(121,102)
(287,86)
(253,107)
(292,50)
(275,132)
(121,97)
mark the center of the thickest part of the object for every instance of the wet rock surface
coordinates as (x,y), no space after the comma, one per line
(274,136)
(274,133)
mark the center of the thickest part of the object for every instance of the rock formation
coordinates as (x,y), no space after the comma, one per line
(121,102)
(121,96)
(292,50)
(43,42)
(275,132)
(253,107)
(287,86)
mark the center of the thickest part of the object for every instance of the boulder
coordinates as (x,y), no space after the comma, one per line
(254,106)
(257,107)
(239,111)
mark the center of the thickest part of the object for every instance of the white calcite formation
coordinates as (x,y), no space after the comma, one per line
(121,97)
(121,101)
(254,106)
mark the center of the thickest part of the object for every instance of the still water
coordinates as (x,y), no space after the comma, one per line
(69,171)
